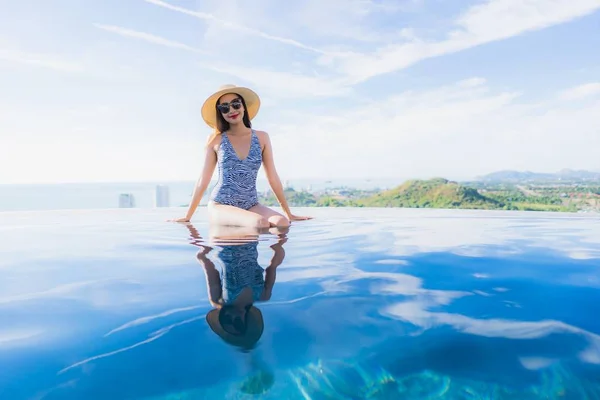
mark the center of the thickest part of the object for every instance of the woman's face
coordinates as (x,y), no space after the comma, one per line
(231,108)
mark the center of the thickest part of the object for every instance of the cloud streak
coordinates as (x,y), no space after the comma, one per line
(148,38)
(236,26)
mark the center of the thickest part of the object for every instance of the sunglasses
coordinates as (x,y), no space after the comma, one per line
(224,107)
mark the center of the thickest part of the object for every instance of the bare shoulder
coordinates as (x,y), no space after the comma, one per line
(262,134)
(213,142)
(263,138)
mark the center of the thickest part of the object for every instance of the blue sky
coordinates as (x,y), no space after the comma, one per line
(111,90)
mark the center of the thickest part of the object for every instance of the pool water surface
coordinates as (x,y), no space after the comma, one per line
(355,304)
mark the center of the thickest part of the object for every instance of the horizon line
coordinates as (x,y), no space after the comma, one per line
(400,179)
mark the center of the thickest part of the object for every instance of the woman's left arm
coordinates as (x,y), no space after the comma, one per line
(273,178)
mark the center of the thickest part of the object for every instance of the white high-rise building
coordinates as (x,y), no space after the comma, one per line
(162,196)
(126,200)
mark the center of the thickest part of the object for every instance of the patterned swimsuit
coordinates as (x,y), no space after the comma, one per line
(237,178)
(239,269)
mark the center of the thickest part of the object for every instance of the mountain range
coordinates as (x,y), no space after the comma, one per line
(568,175)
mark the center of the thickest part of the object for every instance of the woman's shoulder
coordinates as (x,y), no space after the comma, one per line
(214,141)
(263,136)
(263,139)
(260,133)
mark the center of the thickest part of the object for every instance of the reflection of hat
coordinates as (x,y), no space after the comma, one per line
(209,111)
(254,327)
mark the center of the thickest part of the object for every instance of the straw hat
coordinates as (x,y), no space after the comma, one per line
(255,326)
(209,107)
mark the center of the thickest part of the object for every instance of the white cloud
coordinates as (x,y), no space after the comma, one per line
(457,131)
(583,91)
(483,23)
(499,19)
(148,38)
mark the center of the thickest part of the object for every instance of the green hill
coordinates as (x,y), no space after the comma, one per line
(433,193)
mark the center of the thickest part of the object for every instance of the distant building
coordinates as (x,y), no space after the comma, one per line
(162,196)
(126,200)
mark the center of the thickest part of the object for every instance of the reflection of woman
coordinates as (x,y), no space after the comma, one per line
(237,282)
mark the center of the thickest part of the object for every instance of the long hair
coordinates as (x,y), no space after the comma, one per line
(222,125)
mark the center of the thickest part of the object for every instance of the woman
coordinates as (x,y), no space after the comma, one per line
(239,151)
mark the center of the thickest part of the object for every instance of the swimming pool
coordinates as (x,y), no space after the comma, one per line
(381,304)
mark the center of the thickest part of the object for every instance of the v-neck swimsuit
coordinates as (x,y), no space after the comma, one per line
(236,185)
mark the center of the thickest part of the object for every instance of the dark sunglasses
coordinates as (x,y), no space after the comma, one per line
(224,107)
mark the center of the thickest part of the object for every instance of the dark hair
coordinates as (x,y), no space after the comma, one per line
(223,125)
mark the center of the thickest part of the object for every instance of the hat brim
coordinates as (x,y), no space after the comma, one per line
(253,332)
(209,113)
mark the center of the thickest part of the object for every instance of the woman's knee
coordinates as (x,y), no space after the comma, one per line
(279,221)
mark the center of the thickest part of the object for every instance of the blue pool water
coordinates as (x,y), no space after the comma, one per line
(359,304)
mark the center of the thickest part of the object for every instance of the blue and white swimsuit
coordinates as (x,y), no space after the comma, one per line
(239,269)
(236,185)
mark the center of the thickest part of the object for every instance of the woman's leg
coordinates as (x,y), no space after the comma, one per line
(222,214)
(258,216)
(274,218)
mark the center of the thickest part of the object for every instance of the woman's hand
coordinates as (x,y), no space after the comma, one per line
(293,217)
(184,219)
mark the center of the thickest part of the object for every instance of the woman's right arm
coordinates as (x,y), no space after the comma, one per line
(271,271)
(210,161)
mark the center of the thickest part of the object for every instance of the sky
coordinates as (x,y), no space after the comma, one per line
(103,91)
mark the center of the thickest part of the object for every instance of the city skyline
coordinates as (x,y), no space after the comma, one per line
(111,92)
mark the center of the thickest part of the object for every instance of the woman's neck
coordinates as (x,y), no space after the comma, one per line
(238,129)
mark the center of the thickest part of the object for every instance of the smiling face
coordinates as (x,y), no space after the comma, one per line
(231,108)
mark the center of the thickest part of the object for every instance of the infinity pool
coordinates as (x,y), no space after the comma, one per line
(355,304)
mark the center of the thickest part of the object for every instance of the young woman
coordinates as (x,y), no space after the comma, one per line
(239,151)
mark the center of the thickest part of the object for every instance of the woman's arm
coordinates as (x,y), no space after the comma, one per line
(213,279)
(210,161)
(271,271)
(273,178)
